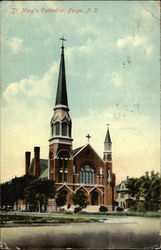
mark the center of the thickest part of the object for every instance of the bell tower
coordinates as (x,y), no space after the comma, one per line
(60,142)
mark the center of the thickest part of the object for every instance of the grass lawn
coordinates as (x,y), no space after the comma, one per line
(65,217)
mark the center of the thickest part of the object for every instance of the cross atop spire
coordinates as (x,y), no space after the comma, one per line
(88,136)
(63,40)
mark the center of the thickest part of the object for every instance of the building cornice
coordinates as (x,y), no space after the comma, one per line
(64,107)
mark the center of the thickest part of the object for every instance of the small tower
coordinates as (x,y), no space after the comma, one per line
(107,155)
(60,142)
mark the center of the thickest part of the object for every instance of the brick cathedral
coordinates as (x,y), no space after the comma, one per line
(78,169)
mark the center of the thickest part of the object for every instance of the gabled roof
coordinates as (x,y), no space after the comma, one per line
(124,182)
(43,166)
(79,150)
(44,174)
(118,187)
(65,185)
(75,151)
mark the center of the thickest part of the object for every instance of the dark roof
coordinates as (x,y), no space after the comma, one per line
(61,97)
(75,151)
(118,186)
(43,166)
(125,182)
(108,138)
(44,174)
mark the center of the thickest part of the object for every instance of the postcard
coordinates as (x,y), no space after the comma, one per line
(80,124)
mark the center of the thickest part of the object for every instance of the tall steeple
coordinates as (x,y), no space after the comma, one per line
(108,146)
(60,142)
(61,124)
(61,97)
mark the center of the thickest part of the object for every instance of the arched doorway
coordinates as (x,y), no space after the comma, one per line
(94,197)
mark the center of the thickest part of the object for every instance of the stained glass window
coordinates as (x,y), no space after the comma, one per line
(87,175)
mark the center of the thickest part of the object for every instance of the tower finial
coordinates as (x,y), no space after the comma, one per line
(63,40)
(108,138)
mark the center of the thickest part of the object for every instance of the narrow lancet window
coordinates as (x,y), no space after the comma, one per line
(64,129)
(57,130)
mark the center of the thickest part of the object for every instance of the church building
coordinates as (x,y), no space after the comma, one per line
(73,169)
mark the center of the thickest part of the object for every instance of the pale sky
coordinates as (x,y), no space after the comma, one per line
(112,57)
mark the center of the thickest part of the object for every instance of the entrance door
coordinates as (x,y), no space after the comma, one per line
(94,198)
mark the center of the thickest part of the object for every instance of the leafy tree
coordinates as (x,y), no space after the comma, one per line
(61,199)
(18,186)
(6,195)
(79,198)
(150,190)
(13,190)
(134,185)
(34,192)
(148,187)
(38,193)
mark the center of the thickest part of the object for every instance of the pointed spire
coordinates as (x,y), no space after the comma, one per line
(108,138)
(61,96)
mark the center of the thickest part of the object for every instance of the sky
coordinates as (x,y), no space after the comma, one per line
(112,57)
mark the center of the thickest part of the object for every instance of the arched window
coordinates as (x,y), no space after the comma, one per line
(87,175)
(63,166)
(81,177)
(51,169)
(57,128)
(93,178)
(52,129)
(60,170)
(70,129)
(64,129)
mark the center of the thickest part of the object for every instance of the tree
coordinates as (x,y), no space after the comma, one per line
(79,198)
(61,199)
(148,187)
(133,186)
(150,190)
(34,192)
(13,190)
(6,195)
(38,193)
(18,186)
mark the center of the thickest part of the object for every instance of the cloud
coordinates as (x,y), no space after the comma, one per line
(131,41)
(15,44)
(149,50)
(84,49)
(116,79)
(34,86)
(135,41)
(25,119)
